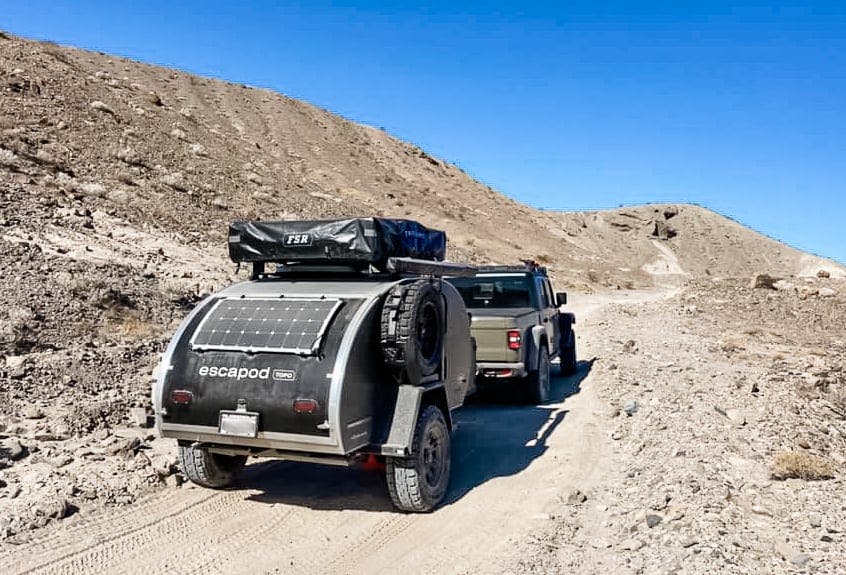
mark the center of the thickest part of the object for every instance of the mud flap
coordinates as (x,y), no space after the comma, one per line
(406,412)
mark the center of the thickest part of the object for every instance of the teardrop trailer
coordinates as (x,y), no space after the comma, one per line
(354,346)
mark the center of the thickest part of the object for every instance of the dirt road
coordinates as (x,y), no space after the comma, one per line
(512,464)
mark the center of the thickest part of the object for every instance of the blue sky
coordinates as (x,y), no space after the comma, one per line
(739,107)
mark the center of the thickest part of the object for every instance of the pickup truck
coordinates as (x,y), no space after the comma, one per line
(518,326)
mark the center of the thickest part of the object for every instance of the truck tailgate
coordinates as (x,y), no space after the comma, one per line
(489,327)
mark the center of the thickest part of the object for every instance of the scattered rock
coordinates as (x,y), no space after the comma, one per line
(54,507)
(736,416)
(630,407)
(827,292)
(576,498)
(124,447)
(32,412)
(198,150)
(102,107)
(652,520)
(15,450)
(15,361)
(631,544)
(800,559)
(823,274)
(163,466)
(93,189)
(138,416)
(784,285)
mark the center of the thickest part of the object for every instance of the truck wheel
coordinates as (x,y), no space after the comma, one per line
(412,330)
(209,469)
(568,358)
(539,379)
(419,483)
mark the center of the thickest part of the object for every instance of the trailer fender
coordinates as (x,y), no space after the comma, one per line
(410,401)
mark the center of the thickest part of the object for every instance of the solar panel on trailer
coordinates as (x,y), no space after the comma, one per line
(266,325)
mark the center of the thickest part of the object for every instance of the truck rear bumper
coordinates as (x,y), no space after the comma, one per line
(501,369)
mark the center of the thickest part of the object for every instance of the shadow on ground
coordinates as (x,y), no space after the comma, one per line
(494,436)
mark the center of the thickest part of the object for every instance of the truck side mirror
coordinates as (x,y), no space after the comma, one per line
(561,298)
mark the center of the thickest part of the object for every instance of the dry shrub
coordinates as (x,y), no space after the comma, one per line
(543,259)
(731,346)
(837,400)
(130,326)
(798,465)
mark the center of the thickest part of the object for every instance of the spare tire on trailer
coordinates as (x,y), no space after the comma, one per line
(412,330)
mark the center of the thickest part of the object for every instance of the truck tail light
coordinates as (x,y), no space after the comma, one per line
(515,339)
(181,396)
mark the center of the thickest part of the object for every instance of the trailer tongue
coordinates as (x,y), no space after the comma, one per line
(354,345)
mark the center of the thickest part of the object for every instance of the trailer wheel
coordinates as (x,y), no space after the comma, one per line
(419,483)
(539,380)
(412,330)
(208,469)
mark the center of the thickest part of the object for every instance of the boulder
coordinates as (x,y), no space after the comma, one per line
(663,230)
(764,281)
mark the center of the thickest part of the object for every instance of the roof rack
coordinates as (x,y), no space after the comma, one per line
(429,268)
(528,266)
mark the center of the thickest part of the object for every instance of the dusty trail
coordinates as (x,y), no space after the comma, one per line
(511,464)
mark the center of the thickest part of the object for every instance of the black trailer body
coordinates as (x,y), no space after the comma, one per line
(328,391)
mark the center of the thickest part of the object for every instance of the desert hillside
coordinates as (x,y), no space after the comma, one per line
(93,143)
(117,181)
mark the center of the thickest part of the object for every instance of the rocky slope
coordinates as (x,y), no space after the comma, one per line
(727,413)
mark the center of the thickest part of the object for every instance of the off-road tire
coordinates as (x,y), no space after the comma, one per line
(208,469)
(568,357)
(419,483)
(540,379)
(412,331)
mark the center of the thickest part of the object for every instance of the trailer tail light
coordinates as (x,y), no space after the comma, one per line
(305,405)
(515,339)
(181,396)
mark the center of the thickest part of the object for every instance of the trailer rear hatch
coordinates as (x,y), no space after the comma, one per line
(251,365)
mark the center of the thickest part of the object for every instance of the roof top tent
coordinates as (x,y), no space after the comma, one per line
(336,353)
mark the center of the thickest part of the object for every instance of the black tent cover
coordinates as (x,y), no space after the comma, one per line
(345,241)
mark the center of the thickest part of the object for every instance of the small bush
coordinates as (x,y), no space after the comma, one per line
(798,465)
(130,326)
